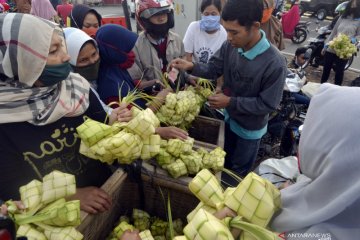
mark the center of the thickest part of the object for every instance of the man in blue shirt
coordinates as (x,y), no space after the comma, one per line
(254,76)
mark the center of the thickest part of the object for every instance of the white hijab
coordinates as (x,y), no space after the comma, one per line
(329,201)
(75,39)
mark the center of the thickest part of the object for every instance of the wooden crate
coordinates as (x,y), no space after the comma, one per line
(207,132)
(127,195)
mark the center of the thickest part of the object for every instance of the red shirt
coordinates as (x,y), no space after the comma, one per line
(64,11)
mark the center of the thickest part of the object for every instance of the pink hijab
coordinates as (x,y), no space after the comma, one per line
(290,19)
(43,9)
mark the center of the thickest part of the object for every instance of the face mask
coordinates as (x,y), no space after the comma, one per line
(53,74)
(129,61)
(158,30)
(91,31)
(267,15)
(89,72)
(210,23)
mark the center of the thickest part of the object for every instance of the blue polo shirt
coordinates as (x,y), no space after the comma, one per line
(251,54)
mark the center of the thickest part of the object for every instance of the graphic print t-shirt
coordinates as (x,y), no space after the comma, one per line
(29,152)
(201,44)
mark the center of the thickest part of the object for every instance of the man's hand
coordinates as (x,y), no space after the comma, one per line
(120,114)
(219,101)
(182,64)
(130,235)
(93,200)
(225,212)
(171,132)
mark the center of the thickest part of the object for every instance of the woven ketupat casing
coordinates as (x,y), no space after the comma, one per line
(68,233)
(204,226)
(207,188)
(177,169)
(65,214)
(175,147)
(143,124)
(151,147)
(31,194)
(164,158)
(57,185)
(170,101)
(193,162)
(146,235)
(92,131)
(256,199)
(201,205)
(31,233)
(121,144)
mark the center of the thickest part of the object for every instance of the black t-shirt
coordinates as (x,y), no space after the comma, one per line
(29,152)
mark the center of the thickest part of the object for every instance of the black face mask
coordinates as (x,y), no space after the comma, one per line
(158,30)
(89,72)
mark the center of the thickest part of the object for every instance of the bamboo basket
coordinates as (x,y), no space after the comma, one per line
(207,132)
(127,194)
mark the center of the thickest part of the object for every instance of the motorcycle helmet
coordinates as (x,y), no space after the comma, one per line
(145,9)
(341,7)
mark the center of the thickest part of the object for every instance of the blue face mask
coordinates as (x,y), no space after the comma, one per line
(210,23)
(54,74)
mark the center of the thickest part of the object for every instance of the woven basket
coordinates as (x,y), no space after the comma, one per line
(207,132)
(126,196)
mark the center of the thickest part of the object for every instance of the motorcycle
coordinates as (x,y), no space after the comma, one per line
(315,47)
(317,44)
(282,136)
(300,32)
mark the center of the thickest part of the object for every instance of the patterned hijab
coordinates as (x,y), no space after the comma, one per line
(23,55)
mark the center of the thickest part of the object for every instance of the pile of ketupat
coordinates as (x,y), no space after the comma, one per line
(47,214)
(136,139)
(342,46)
(179,158)
(181,108)
(255,200)
(151,228)
(125,142)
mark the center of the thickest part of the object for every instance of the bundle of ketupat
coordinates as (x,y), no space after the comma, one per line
(149,227)
(255,200)
(342,46)
(179,158)
(47,214)
(125,142)
(181,108)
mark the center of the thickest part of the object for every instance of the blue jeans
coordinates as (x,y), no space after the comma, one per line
(301,99)
(240,155)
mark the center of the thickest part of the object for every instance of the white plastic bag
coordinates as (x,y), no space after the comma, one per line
(279,171)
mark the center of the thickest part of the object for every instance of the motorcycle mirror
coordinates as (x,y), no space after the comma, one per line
(301,129)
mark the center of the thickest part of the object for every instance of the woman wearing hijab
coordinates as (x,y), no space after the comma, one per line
(327,198)
(84,54)
(44,9)
(115,47)
(85,18)
(41,105)
(290,19)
